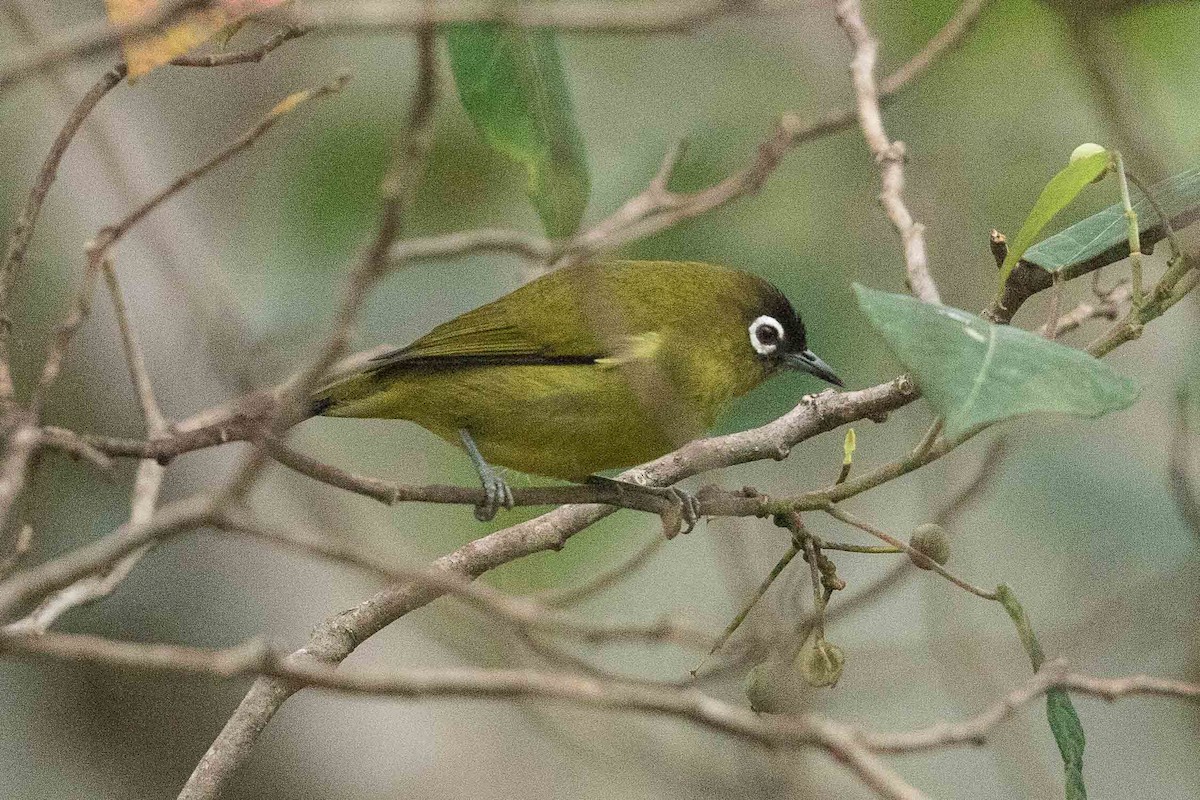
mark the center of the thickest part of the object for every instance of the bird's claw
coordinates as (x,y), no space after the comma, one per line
(682,510)
(496,494)
(688,506)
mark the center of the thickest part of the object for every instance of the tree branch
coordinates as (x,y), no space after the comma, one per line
(890,155)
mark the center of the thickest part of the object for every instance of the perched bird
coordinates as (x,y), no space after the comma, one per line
(588,368)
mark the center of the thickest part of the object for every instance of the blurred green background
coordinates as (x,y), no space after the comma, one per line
(231,283)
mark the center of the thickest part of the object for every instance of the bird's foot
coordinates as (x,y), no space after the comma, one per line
(682,511)
(496,494)
(495,491)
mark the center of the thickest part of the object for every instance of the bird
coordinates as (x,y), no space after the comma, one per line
(588,368)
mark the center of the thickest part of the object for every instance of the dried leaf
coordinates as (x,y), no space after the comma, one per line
(144,53)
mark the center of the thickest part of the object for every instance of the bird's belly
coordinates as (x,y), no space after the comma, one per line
(559,421)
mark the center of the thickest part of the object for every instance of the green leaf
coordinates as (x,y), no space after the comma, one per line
(1060,711)
(1068,733)
(975,373)
(1178,196)
(512,85)
(1059,192)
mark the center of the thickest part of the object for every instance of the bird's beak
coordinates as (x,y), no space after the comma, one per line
(807,361)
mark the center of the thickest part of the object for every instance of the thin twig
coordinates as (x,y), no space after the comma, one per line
(22,233)
(570,596)
(397,191)
(109,236)
(889,155)
(251,56)
(254,658)
(1179,465)
(524,613)
(36,582)
(920,558)
(1106,306)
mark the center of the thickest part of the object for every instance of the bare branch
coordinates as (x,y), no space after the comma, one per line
(457,245)
(73,445)
(646,17)
(109,236)
(252,56)
(22,233)
(858,749)
(1107,307)
(1053,674)
(890,155)
(337,637)
(36,582)
(567,597)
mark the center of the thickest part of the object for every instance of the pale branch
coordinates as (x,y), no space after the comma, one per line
(888,154)
(100,584)
(646,17)
(135,358)
(527,614)
(457,245)
(22,232)
(337,636)
(691,705)
(566,597)
(1053,674)
(948,38)
(36,582)
(22,545)
(1107,306)
(146,485)
(252,56)
(21,440)
(858,748)
(656,16)
(110,235)
(72,445)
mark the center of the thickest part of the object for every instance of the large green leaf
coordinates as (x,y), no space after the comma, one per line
(1178,196)
(512,86)
(1058,194)
(974,372)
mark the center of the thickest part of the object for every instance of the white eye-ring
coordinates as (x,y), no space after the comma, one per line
(765,335)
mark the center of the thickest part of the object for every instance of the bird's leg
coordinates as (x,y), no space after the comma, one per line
(495,490)
(688,504)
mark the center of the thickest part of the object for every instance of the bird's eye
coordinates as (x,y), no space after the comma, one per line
(765,335)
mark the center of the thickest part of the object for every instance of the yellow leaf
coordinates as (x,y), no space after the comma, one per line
(144,53)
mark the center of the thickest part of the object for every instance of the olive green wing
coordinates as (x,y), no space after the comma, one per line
(494,335)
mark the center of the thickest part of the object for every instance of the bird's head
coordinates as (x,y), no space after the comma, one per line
(775,334)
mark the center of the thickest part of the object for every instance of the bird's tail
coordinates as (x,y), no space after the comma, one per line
(363,394)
